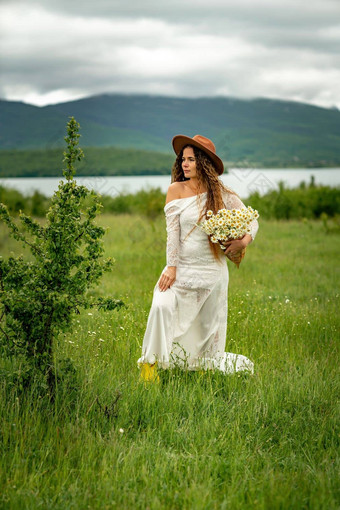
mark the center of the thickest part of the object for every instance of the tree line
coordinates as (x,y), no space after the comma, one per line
(305,201)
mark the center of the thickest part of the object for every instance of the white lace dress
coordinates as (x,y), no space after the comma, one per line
(187,323)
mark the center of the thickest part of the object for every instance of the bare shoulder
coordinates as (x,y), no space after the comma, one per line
(175,191)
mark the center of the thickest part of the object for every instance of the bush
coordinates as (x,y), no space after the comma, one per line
(301,202)
(39,298)
(149,203)
(305,201)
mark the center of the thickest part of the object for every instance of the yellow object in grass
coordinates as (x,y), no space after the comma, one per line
(149,372)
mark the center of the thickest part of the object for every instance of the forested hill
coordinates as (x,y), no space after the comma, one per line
(259,132)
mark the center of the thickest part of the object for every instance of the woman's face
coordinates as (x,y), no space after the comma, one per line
(189,163)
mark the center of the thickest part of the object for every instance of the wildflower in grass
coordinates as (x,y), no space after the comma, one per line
(121,431)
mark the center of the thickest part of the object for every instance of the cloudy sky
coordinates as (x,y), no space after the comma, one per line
(58,50)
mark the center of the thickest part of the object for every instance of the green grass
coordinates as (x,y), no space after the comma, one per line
(195,441)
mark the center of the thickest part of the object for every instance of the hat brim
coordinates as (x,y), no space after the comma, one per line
(180,141)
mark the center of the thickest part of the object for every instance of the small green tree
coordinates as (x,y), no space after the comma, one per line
(39,297)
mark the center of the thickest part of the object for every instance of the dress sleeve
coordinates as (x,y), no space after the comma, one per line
(232,201)
(172,215)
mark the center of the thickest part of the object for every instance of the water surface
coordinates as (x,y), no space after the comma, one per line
(243,181)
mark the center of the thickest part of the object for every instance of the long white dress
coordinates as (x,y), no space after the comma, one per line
(187,323)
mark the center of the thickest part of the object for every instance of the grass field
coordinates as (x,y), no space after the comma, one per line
(193,441)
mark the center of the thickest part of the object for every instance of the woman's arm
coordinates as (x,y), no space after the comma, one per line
(168,276)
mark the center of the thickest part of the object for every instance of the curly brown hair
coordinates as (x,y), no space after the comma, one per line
(208,179)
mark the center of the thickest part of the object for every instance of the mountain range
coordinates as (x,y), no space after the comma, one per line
(263,132)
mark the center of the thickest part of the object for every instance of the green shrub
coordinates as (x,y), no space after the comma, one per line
(39,297)
(301,202)
(305,201)
(149,203)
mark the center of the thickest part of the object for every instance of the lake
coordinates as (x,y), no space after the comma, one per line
(242,180)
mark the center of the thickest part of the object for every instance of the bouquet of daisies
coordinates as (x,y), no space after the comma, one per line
(228,224)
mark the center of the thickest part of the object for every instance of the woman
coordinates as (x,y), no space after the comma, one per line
(188,317)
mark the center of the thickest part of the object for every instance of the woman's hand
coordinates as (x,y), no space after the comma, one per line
(167,278)
(236,245)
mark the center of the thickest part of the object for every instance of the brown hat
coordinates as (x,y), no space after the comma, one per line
(203,143)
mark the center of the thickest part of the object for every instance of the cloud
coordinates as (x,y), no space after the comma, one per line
(55,51)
